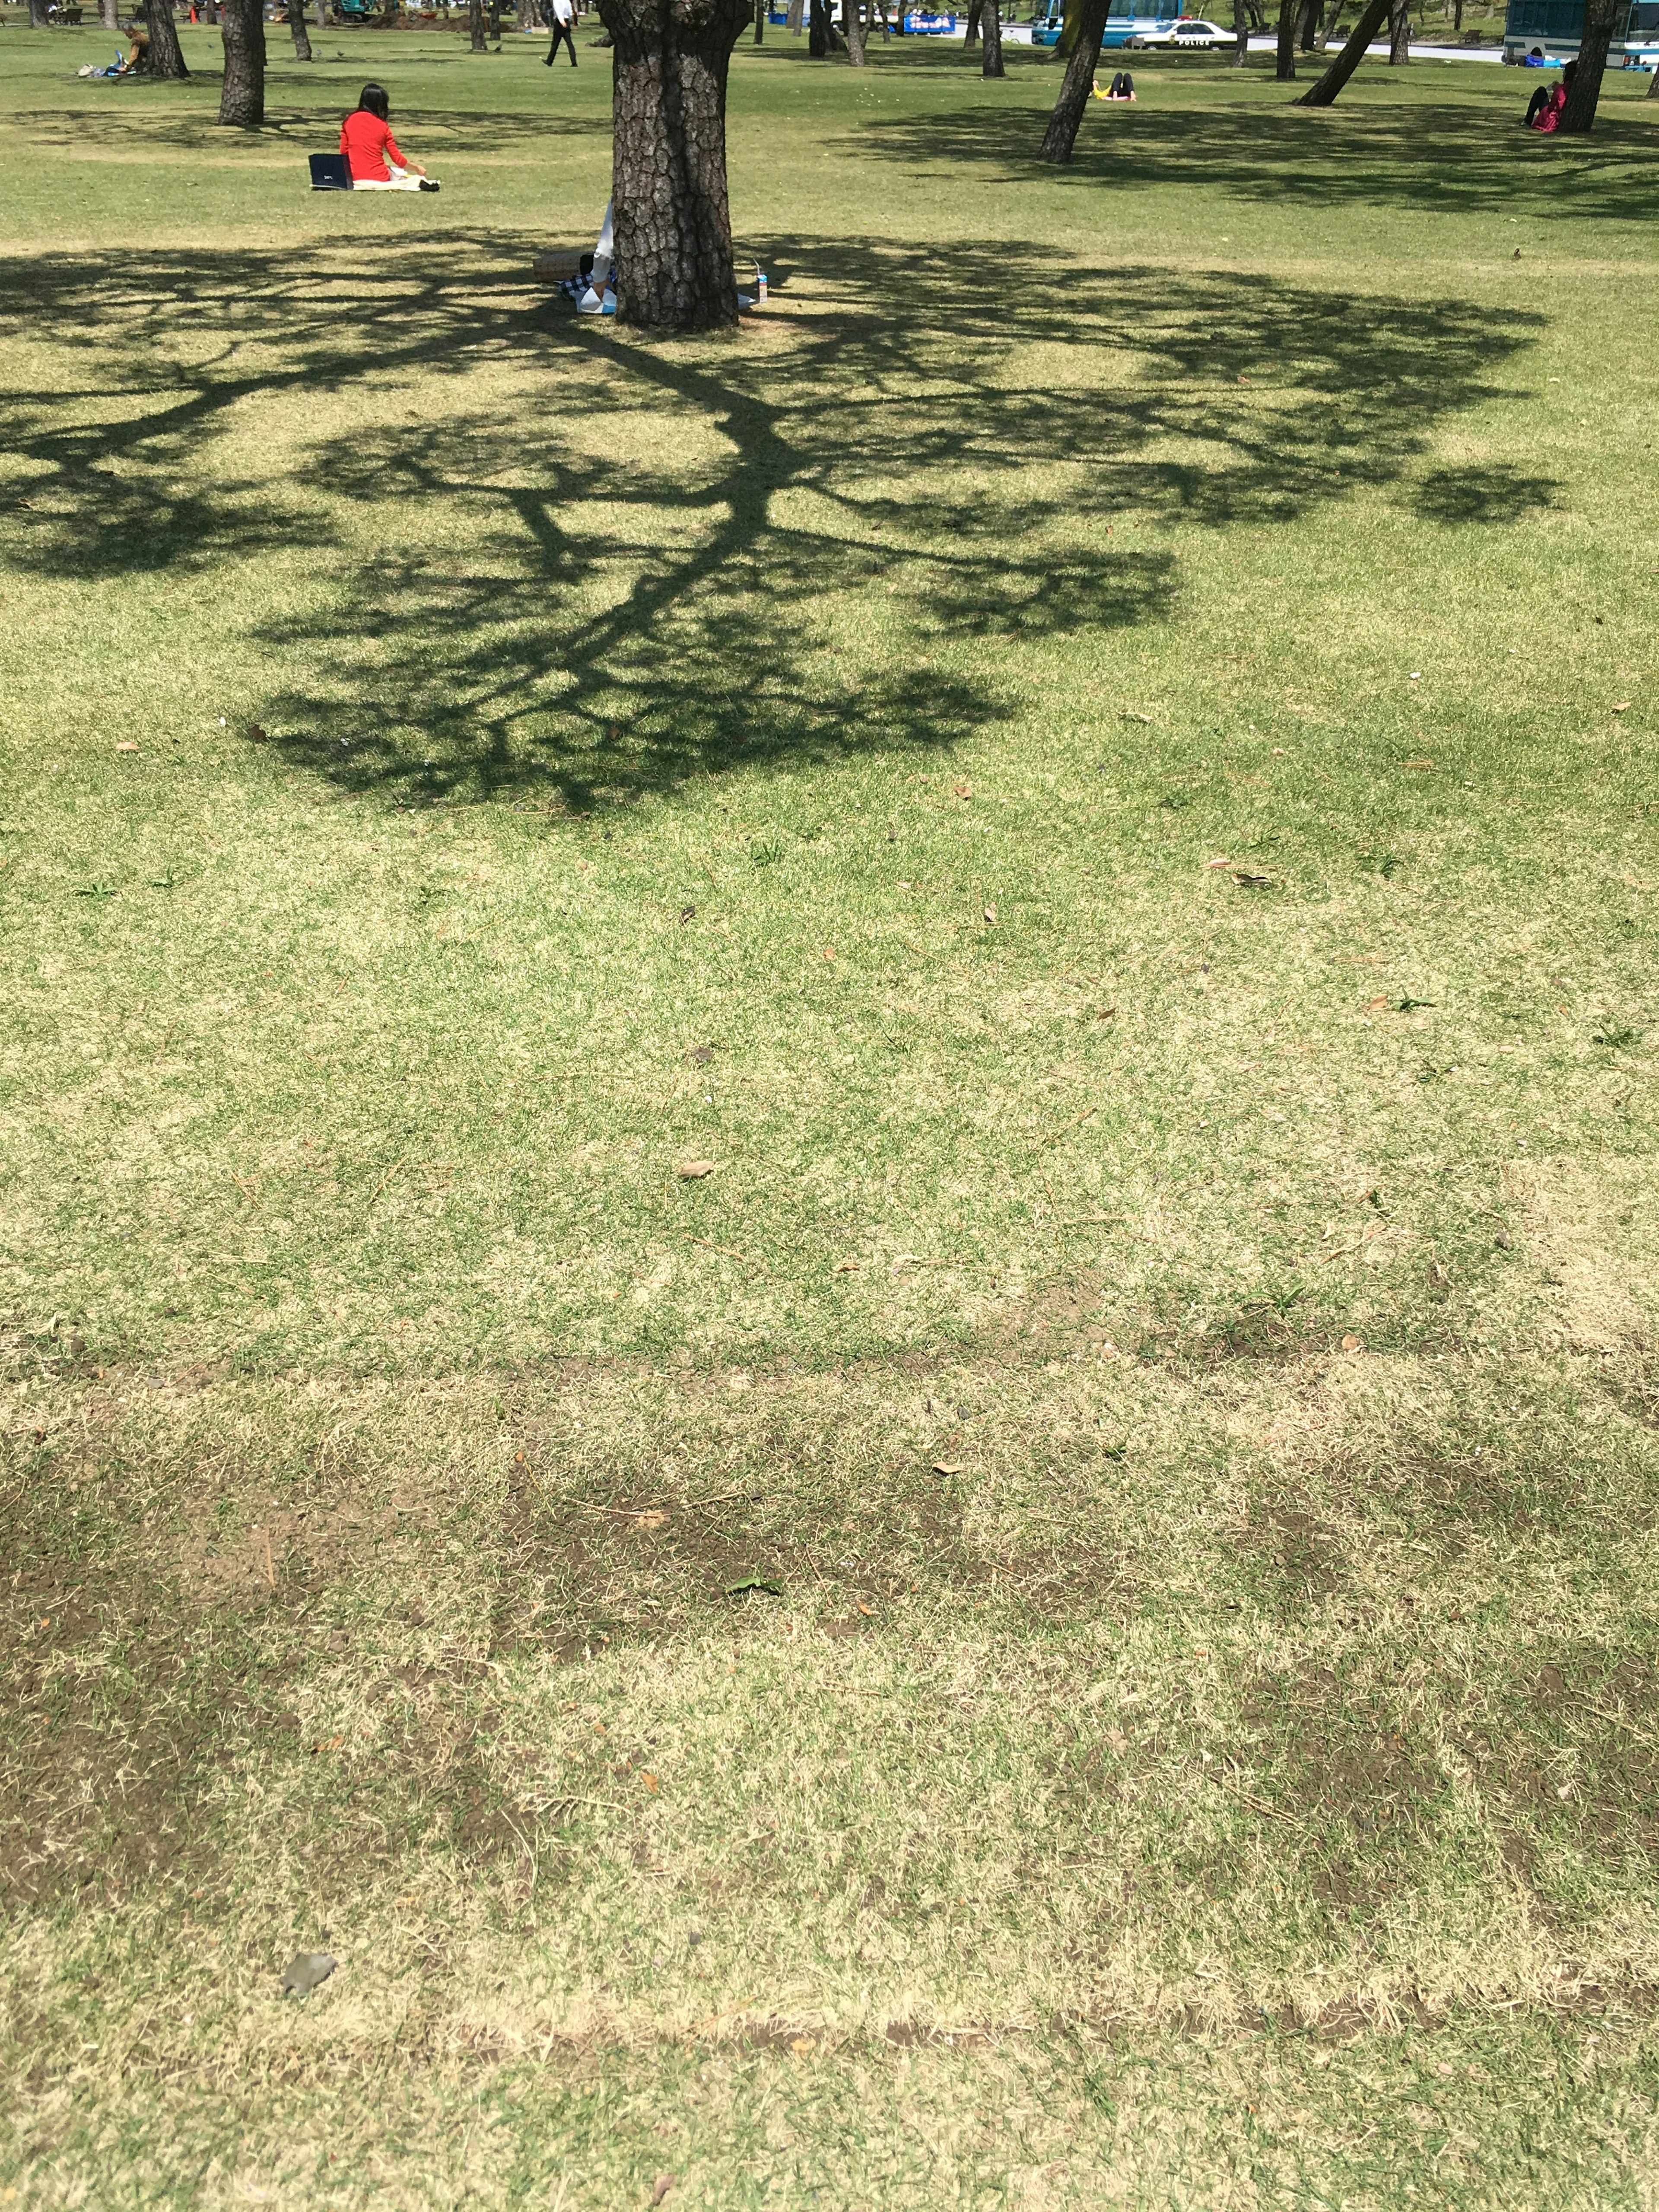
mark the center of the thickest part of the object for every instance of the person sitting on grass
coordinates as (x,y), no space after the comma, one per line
(378,163)
(1544,111)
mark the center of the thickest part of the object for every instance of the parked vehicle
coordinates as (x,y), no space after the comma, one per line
(1556,26)
(1124,28)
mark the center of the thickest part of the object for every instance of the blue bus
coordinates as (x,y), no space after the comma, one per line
(1554,27)
(1124,22)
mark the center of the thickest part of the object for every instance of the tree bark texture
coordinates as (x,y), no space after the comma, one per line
(1241,34)
(1308,25)
(162,57)
(1060,137)
(792,16)
(109,15)
(761,7)
(242,99)
(1354,52)
(673,222)
(970,32)
(296,16)
(1602,21)
(1400,33)
(991,24)
(1653,86)
(851,26)
(1284,67)
(475,27)
(495,21)
(817,30)
(322,15)
(38,15)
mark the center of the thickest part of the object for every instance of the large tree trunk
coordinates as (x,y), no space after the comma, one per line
(792,17)
(1370,23)
(322,15)
(474,25)
(38,21)
(1241,34)
(970,31)
(1400,33)
(991,23)
(109,15)
(296,16)
(673,225)
(1284,68)
(162,58)
(1602,19)
(495,22)
(761,7)
(242,101)
(1060,137)
(852,25)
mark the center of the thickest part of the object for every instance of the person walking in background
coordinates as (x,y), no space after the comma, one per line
(564,19)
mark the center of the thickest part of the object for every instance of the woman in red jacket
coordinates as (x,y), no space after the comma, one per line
(377,163)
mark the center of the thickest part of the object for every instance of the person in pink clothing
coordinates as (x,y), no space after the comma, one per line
(378,163)
(1548,115)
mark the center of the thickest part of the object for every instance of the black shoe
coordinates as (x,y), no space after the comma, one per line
(430,185)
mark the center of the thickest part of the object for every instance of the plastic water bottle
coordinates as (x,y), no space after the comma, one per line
(760,287)
(608,305)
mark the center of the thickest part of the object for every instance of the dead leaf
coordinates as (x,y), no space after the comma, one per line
(307,1971)
(828,951)
(665,2183)
(804,2046)
(845,1268)
(701,1053)
(127,746)
(990,914)
(649,1520)
(1217,864)
(868,1611)
(650,1782)
(1623,708)
(1133,715)
(962,791)
(1375,1005)
(1118,1741)
(1353,1344)
(948,1466)
(694,1170)
(1420,764)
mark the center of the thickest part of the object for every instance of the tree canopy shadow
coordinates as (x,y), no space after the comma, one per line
(1494,494)
(685,557)
(1452,156)
(199,131)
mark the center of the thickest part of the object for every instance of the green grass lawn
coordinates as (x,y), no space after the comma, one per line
(1093,768)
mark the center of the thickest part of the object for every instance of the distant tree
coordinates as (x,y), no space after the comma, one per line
(242,98)
(1285,66)
(1602,21)
(1400,33)
(1241,33)
(852,25)
(296,16)
(1353,53)
(760,20)
(109,15)
(39,19)
(970,31)
(1088,23)
(991,23)
(673,224)
(475,27)
(792,16)
(163,55)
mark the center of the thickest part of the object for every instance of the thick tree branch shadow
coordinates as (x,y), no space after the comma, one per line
(793,539)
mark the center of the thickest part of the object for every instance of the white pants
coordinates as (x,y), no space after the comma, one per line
(400,180)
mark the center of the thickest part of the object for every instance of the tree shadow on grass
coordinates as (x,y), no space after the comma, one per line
(139,134)
(1455,158)
(1490,495)
(827,534)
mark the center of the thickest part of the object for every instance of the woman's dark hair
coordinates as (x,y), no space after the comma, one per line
(371,101)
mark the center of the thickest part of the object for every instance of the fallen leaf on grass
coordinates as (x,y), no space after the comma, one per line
(1217,864)
(1623,708)
(665,2183)
(1353,1344)
(650,1782)
(868,1611)
(756,1584)
(700,1053)
(990,914)
(828,951)
(126,745)
(307,1971)
(1375,1005)
(962,791)
(649,1520)
(1133,715)
(845,1268)
(804,2045)
(694,1170)
(1420,764)
(947,1467)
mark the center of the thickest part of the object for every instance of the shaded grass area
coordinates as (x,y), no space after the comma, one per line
(1075,1621)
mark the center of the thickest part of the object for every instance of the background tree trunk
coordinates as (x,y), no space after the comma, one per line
(991,23)
(38,15)
(1354,52)
(851,26)
(673,224)
(1603,20)
(322,15)
(792,17)
(1308,26)
(1241,34)
(1653,86)
(761,7)
(1400,33)
(109,15)
(296,17)
(1060,137)
(242,101)
(162,59)
(970,34)
(495,21)
(1284,67)
(818,31)
(474,25)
